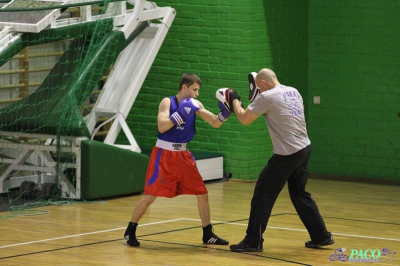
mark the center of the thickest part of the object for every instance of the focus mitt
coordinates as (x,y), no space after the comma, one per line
(254,89)
(226,97)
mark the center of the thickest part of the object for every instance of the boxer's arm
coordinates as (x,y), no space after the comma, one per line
(244,116)
(163,121)
(209,117)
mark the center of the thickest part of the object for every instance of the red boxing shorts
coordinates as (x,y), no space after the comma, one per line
(173,173)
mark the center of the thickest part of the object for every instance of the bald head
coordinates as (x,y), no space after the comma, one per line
(266,74)
(266,79)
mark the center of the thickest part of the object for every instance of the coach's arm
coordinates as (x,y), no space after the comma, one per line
(245,116)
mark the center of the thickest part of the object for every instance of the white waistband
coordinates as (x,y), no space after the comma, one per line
(170,145)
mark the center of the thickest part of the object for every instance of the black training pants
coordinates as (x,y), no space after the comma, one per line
(293,169)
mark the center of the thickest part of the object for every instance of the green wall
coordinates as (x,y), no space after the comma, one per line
(354,63)
(343,51)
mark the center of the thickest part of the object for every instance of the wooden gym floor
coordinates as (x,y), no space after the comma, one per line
(361,217)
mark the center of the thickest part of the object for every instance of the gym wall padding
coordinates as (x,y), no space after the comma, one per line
(108,171)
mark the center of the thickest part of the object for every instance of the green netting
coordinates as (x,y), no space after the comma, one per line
(48,82)
(64,90)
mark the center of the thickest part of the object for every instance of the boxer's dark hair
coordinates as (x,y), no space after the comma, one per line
(189,79)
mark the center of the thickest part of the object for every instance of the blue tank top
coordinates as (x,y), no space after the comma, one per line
(179,134)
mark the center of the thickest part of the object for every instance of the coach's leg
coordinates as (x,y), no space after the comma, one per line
(204,211)
(305,205)
(138,212)
(268,187)
(269,184)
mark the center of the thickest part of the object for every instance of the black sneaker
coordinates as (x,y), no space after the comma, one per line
(130,235)
(311,244)
(214,240)
(243,247)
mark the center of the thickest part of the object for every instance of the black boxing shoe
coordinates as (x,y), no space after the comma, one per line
(130,235)
(210,238)
(311,244)
(243,247)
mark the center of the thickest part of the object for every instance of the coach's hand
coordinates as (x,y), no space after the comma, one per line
(187,108)
(227,96)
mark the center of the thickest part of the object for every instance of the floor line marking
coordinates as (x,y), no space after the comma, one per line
(186,219)
(339,234)
(84,234)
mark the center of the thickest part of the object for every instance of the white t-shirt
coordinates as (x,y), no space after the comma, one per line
(283,112)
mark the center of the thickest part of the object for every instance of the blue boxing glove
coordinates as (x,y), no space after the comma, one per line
(224,114)
(187,108)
